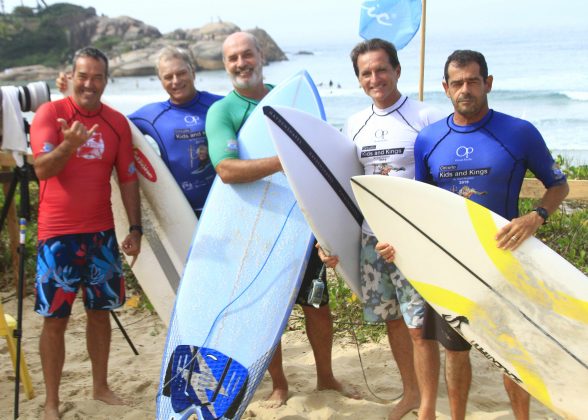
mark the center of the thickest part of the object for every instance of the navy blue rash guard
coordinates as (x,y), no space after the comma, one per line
(179,133)
(486,161)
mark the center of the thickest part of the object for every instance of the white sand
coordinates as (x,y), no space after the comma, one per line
(136,377)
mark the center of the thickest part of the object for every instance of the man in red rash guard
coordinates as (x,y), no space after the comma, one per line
(77,141)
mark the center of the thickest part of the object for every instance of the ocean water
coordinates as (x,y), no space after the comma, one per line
(540,77)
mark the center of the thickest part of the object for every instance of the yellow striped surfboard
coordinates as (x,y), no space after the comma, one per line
(526,311)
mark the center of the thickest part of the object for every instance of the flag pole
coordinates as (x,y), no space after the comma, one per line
(423,30)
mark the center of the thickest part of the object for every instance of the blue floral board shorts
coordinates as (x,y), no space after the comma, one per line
(386,292)
(87,260)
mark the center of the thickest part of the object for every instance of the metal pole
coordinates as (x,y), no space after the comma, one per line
(423,31)
(124,333)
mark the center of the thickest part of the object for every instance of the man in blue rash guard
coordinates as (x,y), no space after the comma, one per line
(177,125)
(483,155)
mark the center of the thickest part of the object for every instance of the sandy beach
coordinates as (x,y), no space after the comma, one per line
(136,377)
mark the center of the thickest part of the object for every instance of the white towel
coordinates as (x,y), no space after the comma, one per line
(14,138)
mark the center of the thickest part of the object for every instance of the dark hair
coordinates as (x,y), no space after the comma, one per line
(92,52)
(462,58)
(374,44)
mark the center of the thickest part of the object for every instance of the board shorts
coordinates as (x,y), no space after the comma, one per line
(313,271)
(87,260)
(386,293)
(437,328)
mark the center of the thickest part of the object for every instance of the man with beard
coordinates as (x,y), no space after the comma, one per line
(243,61)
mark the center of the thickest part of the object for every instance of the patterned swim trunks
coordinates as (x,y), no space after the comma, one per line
(89,260)
(386,292)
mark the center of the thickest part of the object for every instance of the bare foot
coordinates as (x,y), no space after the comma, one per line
(276,399)
(403,407)
(109,397)
(51,413)
(344,389)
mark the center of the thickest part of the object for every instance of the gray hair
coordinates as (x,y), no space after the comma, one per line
(170,52)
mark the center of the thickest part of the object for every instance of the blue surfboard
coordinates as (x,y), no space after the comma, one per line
(241,279)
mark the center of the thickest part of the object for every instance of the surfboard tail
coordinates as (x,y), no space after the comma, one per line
(206,379)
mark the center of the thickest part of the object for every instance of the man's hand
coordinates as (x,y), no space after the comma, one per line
(77,134)
(511,236)
(329,260)
(386,251)
(61,82)
(132,244)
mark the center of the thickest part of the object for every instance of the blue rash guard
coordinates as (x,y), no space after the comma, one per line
(179,133)
(486,161)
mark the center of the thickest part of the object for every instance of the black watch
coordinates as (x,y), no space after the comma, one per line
(138,228)
(542,212)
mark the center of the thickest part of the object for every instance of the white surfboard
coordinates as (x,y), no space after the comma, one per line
(168,226)
(319,161)
(248,256)
(526,311)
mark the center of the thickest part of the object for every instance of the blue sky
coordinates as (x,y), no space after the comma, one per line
(335,21)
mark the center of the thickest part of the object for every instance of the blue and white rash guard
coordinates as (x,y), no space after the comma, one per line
(486,161)
(179,132)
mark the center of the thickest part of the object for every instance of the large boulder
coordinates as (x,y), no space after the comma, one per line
(204,44)
(207,55)
(29,73)
(125,28)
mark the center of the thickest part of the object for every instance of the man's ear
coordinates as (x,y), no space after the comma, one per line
(488,83)
(445,88)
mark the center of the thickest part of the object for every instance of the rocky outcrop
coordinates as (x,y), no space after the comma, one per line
(28,73)
(132,45)
(205,45)
(125,28)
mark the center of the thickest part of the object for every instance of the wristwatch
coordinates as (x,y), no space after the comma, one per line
(138,228)
(542,212)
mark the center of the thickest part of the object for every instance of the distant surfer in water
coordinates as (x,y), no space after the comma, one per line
(243,61)
(177,124)
(384,136)
(483,150)
(77,141)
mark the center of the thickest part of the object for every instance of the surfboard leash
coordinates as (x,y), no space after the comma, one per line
(357,346)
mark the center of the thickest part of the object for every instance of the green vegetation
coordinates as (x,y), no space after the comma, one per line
(108,42)
(572,172)
(28,37)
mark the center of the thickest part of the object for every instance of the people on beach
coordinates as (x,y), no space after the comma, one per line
(77,142)
(177,124)
(243,60)
(384,136)
(476,137)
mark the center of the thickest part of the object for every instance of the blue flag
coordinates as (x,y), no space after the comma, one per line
(393,20)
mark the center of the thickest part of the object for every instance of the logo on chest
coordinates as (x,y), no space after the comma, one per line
(464,152)
(191,120)
(93,148)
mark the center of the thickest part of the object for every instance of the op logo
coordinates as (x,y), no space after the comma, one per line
(464,152)
(191,120)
